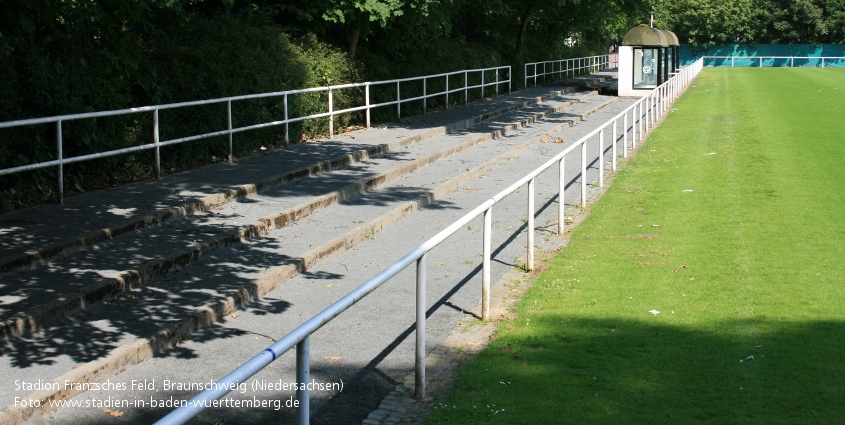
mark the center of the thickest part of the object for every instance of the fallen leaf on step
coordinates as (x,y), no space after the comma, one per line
(334,358)
(112,413)
(545,139)
(470,188)
(559,140)
(234,316)
(400,185)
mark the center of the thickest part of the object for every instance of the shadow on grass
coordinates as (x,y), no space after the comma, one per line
(563,369)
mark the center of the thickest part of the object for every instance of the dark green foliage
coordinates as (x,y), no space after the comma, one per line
(186,57)
(70,57)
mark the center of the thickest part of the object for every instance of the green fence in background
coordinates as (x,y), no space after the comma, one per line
(690,54)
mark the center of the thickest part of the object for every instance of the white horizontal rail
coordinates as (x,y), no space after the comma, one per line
(502,77)
(654,104)
(566,68)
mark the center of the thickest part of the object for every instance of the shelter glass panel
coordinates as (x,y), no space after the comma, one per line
(645,68)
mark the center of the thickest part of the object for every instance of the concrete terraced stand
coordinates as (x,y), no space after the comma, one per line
(185,278)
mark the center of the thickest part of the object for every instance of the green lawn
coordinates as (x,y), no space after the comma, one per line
(730,221)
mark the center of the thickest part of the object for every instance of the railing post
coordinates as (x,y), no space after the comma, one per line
(447,91)
(497,82)
(487,241)
(584,174)
(625,130)
(229,122)
(398,102)
(157,140)
(303,377)
(640,124)
(525,74)
(419,357)
(615,139)
(466,88)
(510,80)
(529,263)
(287,124)
(601,157)
(482,84)
(61,169)
(367,102)
(425,96)
(331,113)
(561,200)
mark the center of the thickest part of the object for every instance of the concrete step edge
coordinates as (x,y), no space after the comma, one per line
(142,349)
(40,316)
(33,257)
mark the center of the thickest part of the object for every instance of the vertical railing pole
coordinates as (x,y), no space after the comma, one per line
(331,113)
(419,357)
(367,102)
(497,82)
(447,91)
(529,263)
(157,140)
(303,377)
(487,241)
(584,174)
(398,102)
(525,74)
(229,122)
(640,123)
(615,139)
(287,125)
(466,87)
(510,80)
(601,157)
(425,96)
(482,84)
(561,200)
(60,195)
(625,131)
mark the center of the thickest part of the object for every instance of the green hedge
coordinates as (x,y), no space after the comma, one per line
(189,59)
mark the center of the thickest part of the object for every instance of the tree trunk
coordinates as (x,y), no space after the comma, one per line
(523,28)
(354,35)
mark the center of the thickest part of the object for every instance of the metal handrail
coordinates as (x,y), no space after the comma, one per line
(564,68)
(644,113)
(761,58)
(156,144)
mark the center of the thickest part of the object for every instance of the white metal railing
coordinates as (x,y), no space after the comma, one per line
(565,68)
(497,80)
(644,114)
(812,61)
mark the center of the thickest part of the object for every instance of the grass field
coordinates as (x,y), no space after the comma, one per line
(730,222)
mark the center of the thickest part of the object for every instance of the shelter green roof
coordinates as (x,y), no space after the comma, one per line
(645,36)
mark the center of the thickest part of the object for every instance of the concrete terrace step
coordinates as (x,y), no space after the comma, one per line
(32,236)
(133,259)
(369,346)
(108,337)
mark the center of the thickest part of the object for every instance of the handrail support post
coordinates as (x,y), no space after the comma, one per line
(419,357)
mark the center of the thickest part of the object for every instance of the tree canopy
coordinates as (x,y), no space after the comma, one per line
(712,22)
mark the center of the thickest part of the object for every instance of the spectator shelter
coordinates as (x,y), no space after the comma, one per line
(647,58)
